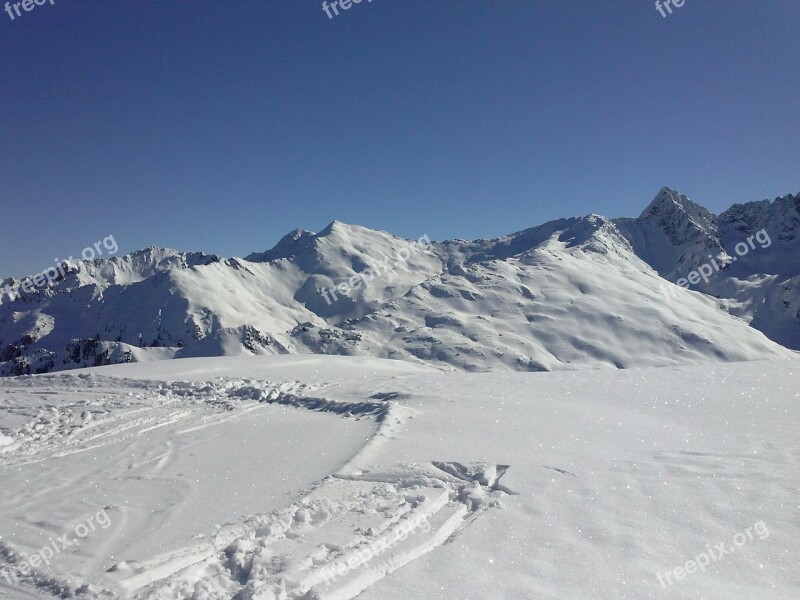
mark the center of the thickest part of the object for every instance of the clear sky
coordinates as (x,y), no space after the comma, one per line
(222,125)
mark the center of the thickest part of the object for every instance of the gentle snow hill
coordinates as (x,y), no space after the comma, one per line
(569,294)
(333,478)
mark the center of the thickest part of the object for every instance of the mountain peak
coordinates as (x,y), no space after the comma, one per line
(287,246)
(337,226)
(671,209)
(158,252)
(668,200)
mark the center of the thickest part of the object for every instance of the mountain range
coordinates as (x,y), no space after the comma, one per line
(574,293)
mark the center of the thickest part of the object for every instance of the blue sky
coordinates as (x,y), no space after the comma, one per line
(220,126)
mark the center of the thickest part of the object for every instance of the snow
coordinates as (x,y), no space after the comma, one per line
(562,422)
(573,293)
(332,477)
(674,236)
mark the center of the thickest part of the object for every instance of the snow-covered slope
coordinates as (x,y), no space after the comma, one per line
(572,296)
(168,304)
(572,293)
(331,478)
(751,254)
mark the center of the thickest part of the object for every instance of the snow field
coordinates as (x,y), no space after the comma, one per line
(384,480)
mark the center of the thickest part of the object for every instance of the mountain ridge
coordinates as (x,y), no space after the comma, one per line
(538,299)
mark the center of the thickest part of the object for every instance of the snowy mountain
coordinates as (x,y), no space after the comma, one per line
(673,234)
(750,255)
(573,293)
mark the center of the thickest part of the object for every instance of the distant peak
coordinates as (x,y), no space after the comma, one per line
(595,219)
(670,203)
(297,234)
(680,219)
(155,250)
(668,197)
(334,226)
(290,244)
(293,237)
(340,227)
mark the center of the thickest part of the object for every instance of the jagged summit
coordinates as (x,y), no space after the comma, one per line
(782,212)
(672,209)
(673,234)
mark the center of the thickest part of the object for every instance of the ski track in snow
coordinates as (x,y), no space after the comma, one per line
(349,531)
(95,412)
(346,534)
